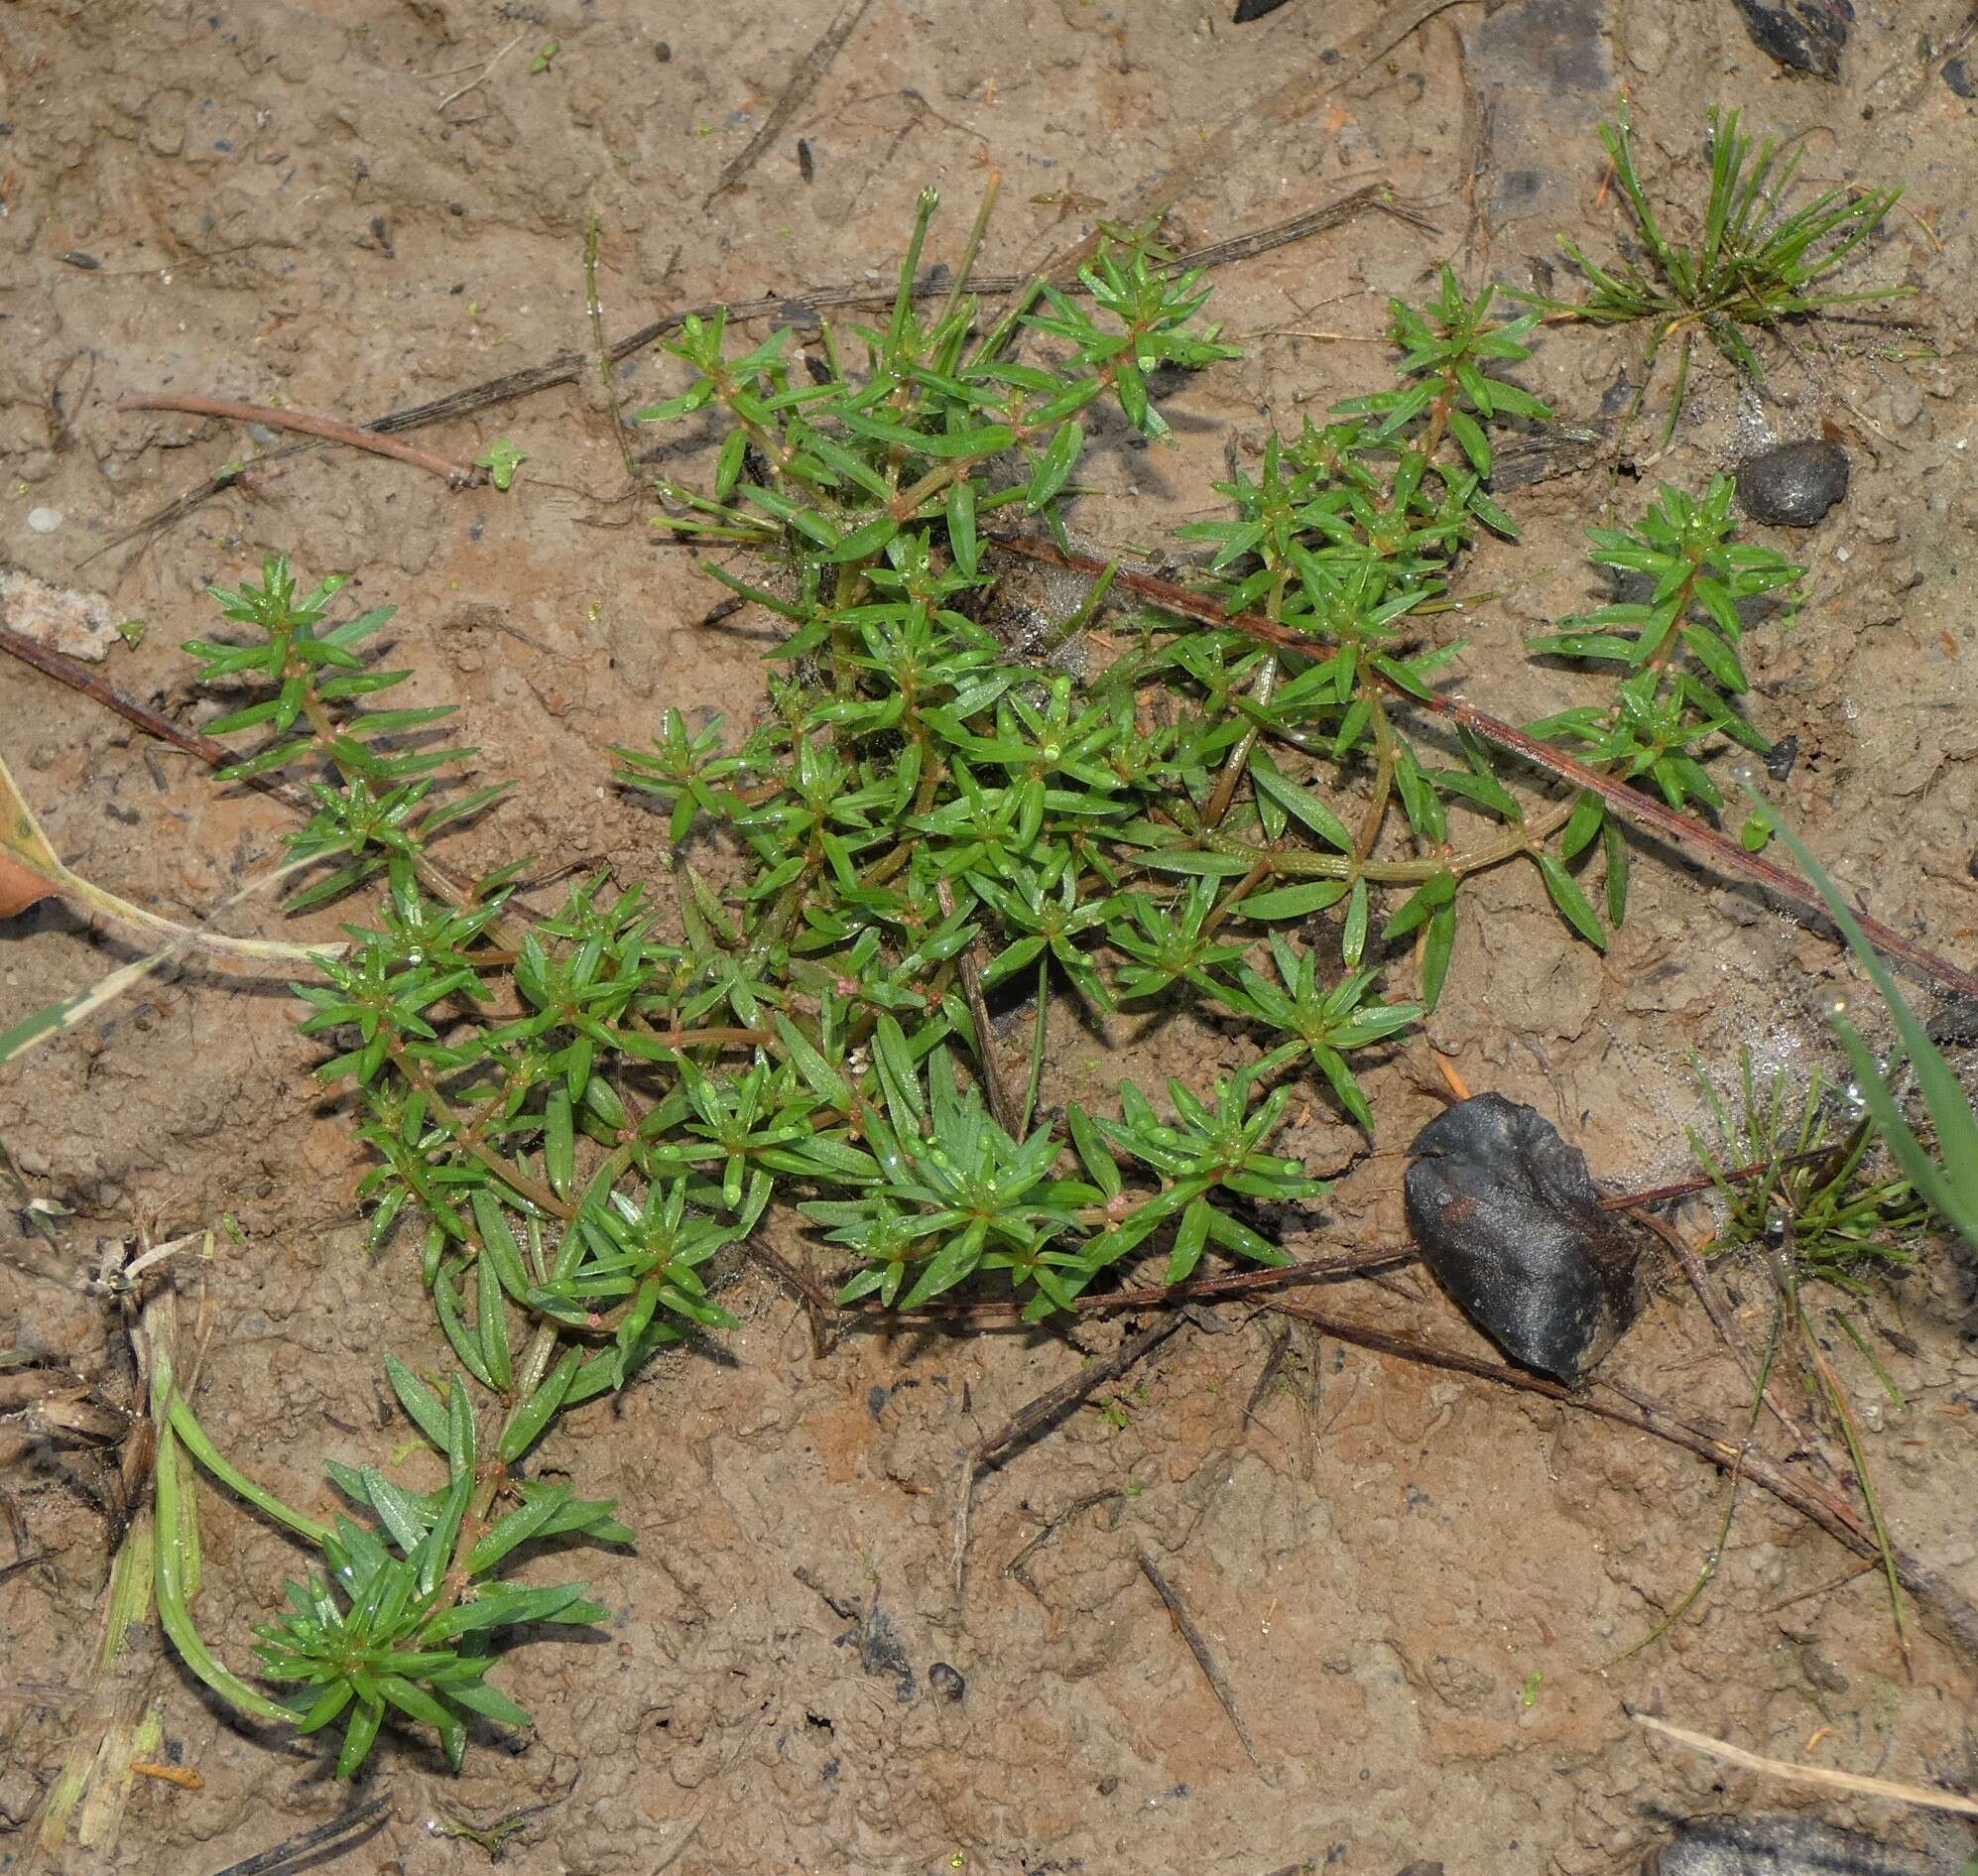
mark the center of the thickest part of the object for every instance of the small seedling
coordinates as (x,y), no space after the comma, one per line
(1817,1201)
(501,461)
(544,58)
(1751,266)
(1815,1212)
(1946,1178)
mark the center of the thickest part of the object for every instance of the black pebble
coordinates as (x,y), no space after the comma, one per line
(77,258)
(1957,74)
(1794,484)
(1781,757)
(946,1681)
(1805,35)
(1510,1224)
(1248,10)
(1779,1846)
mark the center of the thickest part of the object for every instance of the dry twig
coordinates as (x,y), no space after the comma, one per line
(486,72)
(457,474)
(1629,1406)
(1199,1648)
(1037,1417)
(803,308)
(1811,1774)
(803,81)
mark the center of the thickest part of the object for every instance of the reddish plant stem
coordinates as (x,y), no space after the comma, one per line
(457,474)
(64,670)
(1647,812)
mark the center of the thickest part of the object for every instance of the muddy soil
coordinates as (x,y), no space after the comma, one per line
(1420,1591)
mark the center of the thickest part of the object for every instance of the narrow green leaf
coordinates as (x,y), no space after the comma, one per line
(424,1407)
(1572,902)
(493,1329)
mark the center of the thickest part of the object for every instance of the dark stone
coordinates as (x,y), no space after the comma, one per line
(1781,757)
(1248,10)
(1780,1846)
(1802,35)
(77,258)
(1957,74)
(1792,484)
(947,1680)
(1510,1224)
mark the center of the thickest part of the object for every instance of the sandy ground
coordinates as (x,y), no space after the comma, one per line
(1417,1586)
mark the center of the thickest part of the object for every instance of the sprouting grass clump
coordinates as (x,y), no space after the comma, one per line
(1238,809)
(1817,1201)
(1943,1163)
(1751,264)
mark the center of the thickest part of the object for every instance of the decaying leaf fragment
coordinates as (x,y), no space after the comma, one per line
(31,869)
(1508,1221)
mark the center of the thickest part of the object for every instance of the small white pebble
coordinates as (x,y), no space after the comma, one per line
(43,520)
(1842,555)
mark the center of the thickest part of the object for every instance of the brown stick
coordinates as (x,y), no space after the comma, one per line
(1684,1187)
(1038,1417)
(1632,1408)
(1657,817)
(64,670)
(1239,1283)
(1015,1566)
(802,81)
(1177,1612)
(1704,843)
(457,474)
(1727,1332)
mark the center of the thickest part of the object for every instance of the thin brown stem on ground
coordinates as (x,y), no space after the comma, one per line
(330,428)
